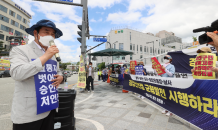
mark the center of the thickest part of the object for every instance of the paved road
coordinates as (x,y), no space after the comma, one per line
(105,109)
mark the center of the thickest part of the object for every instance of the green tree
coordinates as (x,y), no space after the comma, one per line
(77,63)
(194,39)
(101,66)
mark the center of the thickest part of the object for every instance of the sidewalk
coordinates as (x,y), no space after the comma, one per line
(110,109)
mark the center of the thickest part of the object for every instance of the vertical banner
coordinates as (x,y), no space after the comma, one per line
(46,93)
(132,65)
(139,70)
(157,66)
(82,74)
(4,64)
(203,64)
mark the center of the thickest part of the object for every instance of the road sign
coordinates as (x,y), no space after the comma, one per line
(100,39)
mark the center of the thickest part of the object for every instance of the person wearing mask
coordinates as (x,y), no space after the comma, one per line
(170,71)
(99,74)
(126,70)
(23,69)
(90,77)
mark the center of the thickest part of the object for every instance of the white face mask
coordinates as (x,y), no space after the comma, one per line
(124,67)
(45,40)
(90,65)
(166,61)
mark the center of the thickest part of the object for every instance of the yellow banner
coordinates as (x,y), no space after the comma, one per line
(82,74)
(203,64)
(4,64)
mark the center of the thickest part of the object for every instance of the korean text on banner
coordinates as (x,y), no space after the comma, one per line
(157,66)
(203,64)
(46,93)
(132,65)
(82,74)
(139,70)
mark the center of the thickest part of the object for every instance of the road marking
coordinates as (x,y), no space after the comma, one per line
(97,124)
(84,99)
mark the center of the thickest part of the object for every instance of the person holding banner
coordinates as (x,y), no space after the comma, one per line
(207,50)
(36,73)
(170,71)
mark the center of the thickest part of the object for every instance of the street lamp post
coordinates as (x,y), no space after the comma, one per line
(153,45)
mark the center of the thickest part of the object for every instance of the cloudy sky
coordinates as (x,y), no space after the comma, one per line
(178,16)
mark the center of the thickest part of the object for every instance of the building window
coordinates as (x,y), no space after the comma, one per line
(133,47)
(28,23)
(145,49)
(123,57)
(19,17)
(17,33)
(130,46)
(140,48)
(120,46)
(130,36)
(158,51)
(4,9)
(24,20)
(151,50)
(137,48)
(12,13)
(22,27)
(141,56)
(1,36)
(114,46)
(7,38)
(7,29)
(3,18)
(14,23)
(130,57)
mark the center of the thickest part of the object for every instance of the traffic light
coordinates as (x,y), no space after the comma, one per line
(82,38)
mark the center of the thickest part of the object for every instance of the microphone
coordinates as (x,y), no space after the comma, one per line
(56,55)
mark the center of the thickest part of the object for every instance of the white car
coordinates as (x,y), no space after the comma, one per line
(75,72)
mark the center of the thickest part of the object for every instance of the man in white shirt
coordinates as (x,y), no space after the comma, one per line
(23,69)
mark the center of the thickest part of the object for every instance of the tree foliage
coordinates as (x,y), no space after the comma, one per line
(64,65)
(101,66)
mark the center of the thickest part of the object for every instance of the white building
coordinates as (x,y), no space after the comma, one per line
(13,21)
(142,44)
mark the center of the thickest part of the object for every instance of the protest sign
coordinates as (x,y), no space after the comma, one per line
(157,66)
(82,74)
(4,64)
(46,93)
(139,70)
(194,100)
(122,70)
(203,65)
(132,65)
